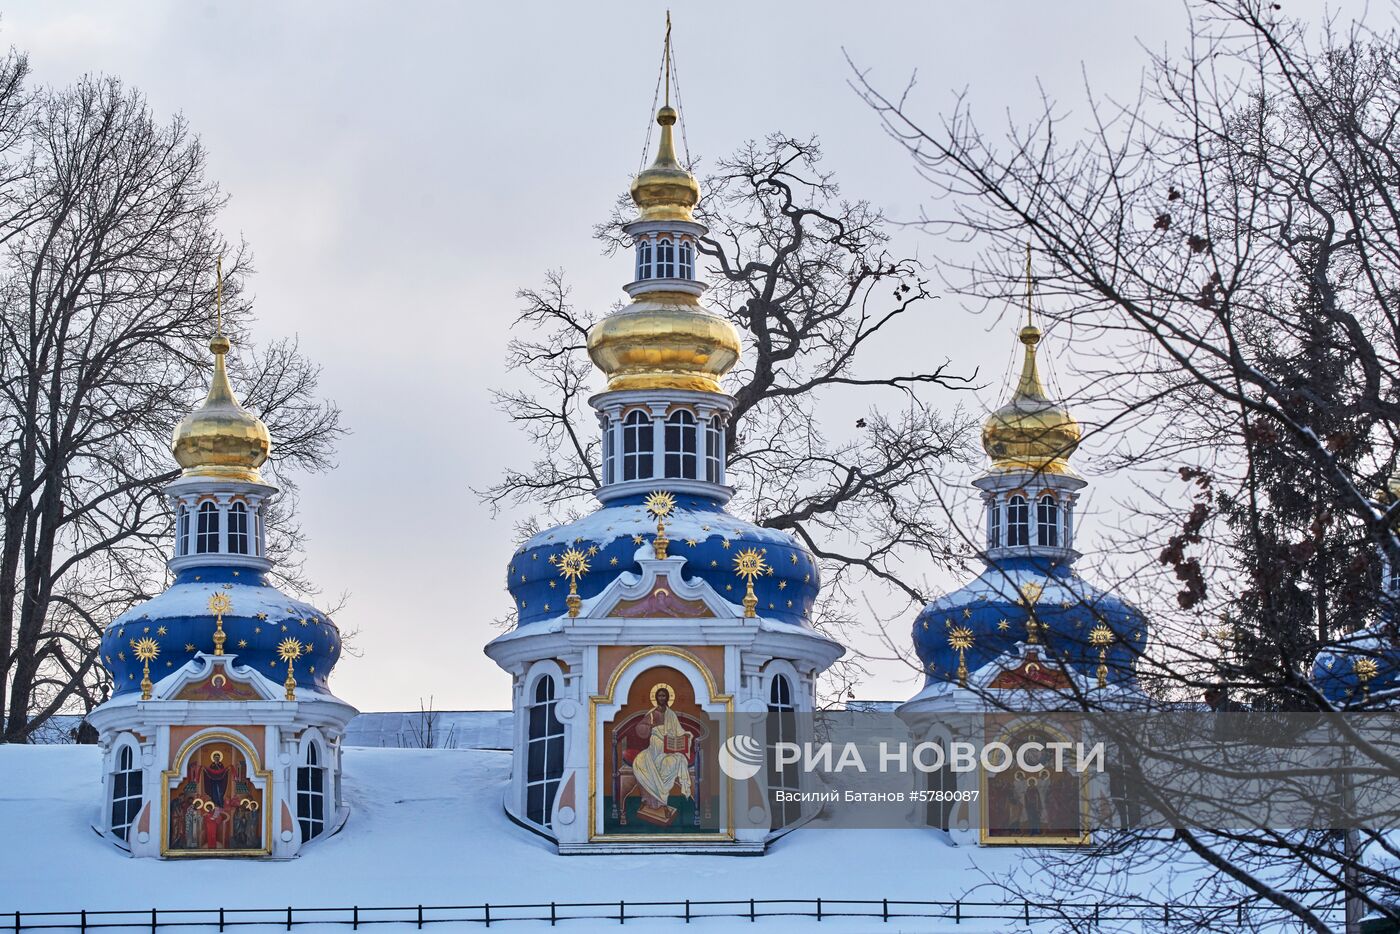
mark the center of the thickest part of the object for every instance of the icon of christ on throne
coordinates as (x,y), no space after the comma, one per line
(657,757)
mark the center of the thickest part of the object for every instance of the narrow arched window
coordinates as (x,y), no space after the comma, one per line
(126,792)
(943,784)
(637,458)
(206,540)
(643,259)
(687,260)
(544,754)
(238,529)
(182,532)
(607,453)
(714,450)
(1069,525)
(680,444)
(782,728)
(311,793)
(665,259)
(1047,521)
(994,523)
(1018,521)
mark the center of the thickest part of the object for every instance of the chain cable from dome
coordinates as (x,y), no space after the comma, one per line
(220,438)
(1031,431)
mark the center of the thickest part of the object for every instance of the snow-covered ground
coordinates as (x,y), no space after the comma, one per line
(427,827)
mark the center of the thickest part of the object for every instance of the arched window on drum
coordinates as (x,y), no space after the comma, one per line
(238,529)
(206,539)
(714,450)
(544,754)
(681,444)
(1018,521)
(1047,521)
(687,262)
(637,456)
(182,537)
(665,259)
(608,466)
(643,259)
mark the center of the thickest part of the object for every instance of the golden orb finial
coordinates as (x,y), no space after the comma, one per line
(665,190)
(221,438)
(1031,431)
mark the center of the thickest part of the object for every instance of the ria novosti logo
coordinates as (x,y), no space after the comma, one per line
(741,757)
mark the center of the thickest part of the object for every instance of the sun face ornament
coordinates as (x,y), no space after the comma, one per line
(660,504)
(289,650)
(960,638)
(219,604)
(749,564)
(1365,669)
(145,650)
(573,564)
(1102,637)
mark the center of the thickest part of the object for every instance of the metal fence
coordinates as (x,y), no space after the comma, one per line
(1081,914)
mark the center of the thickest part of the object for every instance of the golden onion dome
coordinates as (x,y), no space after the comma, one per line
(665,191)
(1031,432)
(664,340)
(221,438)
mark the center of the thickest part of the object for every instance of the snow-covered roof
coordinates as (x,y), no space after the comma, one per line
(426,826)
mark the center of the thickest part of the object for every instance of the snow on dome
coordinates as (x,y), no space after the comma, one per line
(999,604)
(259,618)
(699,531)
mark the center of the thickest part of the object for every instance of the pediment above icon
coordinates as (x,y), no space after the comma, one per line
(1029,671)
(217,678)
(660,592)
(662,603)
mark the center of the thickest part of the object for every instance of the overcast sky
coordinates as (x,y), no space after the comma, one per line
(400,169)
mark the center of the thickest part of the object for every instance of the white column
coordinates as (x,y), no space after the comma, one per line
(702,443)
(658,442)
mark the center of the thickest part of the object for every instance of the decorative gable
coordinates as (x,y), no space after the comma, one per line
(1032,673)
(660,592)
(216,678)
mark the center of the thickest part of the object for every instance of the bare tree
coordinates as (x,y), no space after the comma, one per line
(106,298)
(1228,244)
(806,277)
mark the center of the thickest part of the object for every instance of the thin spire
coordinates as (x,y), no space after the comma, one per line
(666,58)
(220,390)
(1030,386)
(219,297)
(1030,289)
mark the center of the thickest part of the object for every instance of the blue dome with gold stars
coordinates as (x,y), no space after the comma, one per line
(260,617)
(1030,599)
(699,530)
(1359,666)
